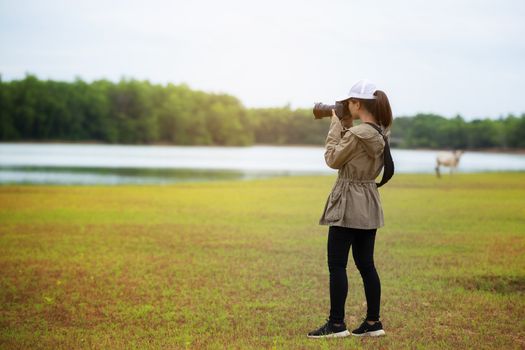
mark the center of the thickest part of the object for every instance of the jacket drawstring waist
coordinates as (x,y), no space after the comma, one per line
(355,180)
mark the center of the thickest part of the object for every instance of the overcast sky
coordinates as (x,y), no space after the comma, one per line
(448,57)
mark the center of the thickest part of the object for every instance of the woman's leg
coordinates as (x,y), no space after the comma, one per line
(363,253)
(339,241)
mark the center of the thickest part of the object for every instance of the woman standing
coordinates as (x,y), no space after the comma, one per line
(353,209)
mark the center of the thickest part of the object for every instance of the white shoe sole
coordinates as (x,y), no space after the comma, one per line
(333,335)
(371,334)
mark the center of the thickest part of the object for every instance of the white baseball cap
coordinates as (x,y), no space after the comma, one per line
(362,89)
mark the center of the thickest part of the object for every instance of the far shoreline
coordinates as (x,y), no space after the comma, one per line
(520,151)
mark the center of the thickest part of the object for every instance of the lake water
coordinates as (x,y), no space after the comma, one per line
(125,164)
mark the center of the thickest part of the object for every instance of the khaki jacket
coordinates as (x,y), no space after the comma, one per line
(357,152)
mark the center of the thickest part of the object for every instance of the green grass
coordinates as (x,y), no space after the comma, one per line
(242,265)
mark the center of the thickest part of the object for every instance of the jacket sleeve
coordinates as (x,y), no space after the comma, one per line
(338,148)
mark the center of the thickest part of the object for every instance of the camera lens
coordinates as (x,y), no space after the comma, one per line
(321,110)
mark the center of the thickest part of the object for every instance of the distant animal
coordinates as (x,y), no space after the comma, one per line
(450,159)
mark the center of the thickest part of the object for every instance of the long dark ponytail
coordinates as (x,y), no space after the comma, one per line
(380,108)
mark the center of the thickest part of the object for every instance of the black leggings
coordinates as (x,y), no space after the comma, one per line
(362,241)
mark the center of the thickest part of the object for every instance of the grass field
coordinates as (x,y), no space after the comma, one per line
(242,265)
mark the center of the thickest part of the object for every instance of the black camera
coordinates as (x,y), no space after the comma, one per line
(341,110)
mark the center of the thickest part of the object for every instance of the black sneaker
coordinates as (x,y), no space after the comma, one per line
(329,330)
(366,329)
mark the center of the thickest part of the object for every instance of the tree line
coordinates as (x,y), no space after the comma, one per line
(138,112)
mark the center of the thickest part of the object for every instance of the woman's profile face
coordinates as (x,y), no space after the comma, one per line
(353,107)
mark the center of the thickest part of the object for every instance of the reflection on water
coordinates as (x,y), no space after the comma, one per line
(115,176)
(89,175)
(123,164)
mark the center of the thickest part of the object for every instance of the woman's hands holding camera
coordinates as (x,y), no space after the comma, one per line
(346,122)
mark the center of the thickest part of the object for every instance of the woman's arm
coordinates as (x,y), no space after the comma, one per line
(338,148)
